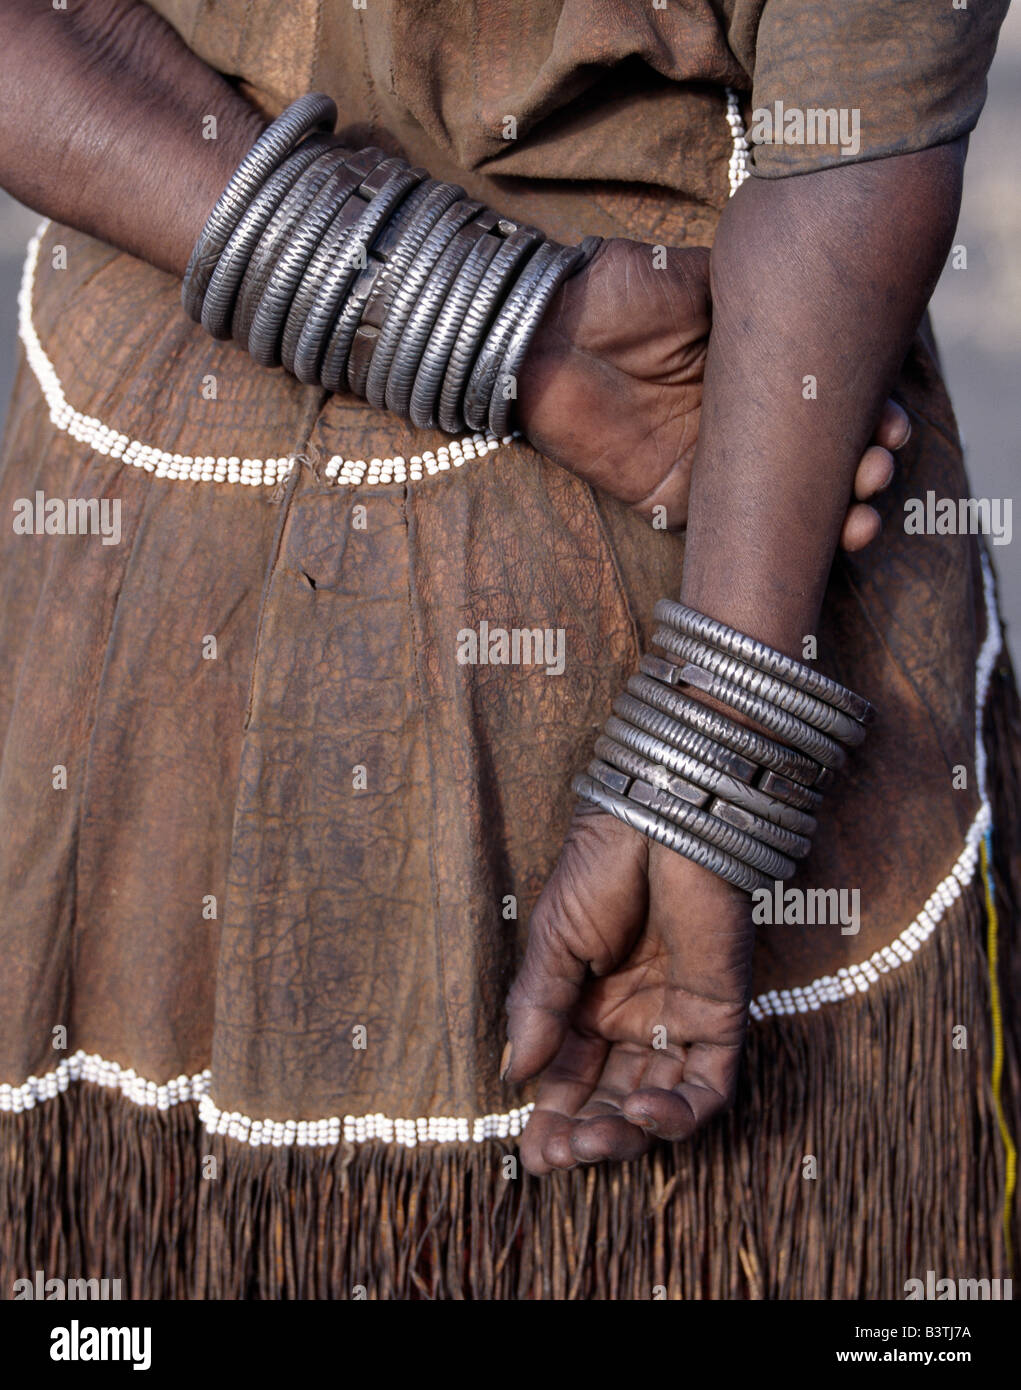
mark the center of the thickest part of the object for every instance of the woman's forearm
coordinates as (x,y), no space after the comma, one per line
(819,283)
(104,124)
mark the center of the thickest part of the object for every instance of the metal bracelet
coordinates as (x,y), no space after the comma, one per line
(629,764)
(276,237)
(683,738)
(565,263)
(727,639)
(265,335)
(710,778)
(435,359)
(653,686)
(419,324)
(787,727)
(478,393)
(351,260)
(657,828)
(225,281)
(787,697)
(701,823)
(311,112)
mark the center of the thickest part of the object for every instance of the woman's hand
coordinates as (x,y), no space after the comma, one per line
(612,385)
(632,998)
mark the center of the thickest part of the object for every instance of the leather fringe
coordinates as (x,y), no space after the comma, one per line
(908,1161)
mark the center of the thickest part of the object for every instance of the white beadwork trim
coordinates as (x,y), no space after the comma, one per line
(85,1066)
(360,1129)
(204,468)
(854,979)
(354,1129)
(737,169)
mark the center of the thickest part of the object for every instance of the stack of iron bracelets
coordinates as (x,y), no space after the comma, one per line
(732,799)
(359,273)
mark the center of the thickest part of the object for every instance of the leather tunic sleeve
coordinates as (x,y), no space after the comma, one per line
(835,83)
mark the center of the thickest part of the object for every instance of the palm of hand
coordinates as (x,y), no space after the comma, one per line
(632,999)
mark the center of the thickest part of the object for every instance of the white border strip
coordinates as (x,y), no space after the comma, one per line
(737,169)
(353,1129)
(204,468)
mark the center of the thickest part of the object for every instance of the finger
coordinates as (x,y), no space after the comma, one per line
(607,1138)
(710,1078)
(862,525)
(566,1086)
(545,1144)
(875,472)
(586,918)
(894,428)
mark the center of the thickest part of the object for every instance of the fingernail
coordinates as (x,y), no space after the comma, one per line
(646,1121)
(505,1062)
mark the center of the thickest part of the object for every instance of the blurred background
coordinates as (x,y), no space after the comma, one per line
(976,312)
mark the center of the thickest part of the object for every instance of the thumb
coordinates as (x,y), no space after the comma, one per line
(585,922)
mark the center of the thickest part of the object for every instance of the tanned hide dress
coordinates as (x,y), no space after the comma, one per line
(257,934)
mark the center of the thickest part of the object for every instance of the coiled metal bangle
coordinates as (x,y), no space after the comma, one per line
(786,727)
(720,783)
(657,828)
(713,831)
(648,686)
(787,697)
(727,639)
(311,112)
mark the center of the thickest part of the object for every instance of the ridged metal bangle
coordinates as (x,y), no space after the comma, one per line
(659,829)
(376,225)
(276,237)
(353,270)
(221,293)
(727,639)
(649,687)
(714,832)
(265,336)
(336,234)
(406,294)
(314,111)
(813,711)
(493,287)
(351,259)
(435,358)
(696,745)
(479,392)
(709,778)
(633,764)
(420,321)
(563,264)
(684,739)
(786,727)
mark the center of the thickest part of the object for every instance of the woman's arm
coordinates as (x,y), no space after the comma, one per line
(102,114)
(824,275)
